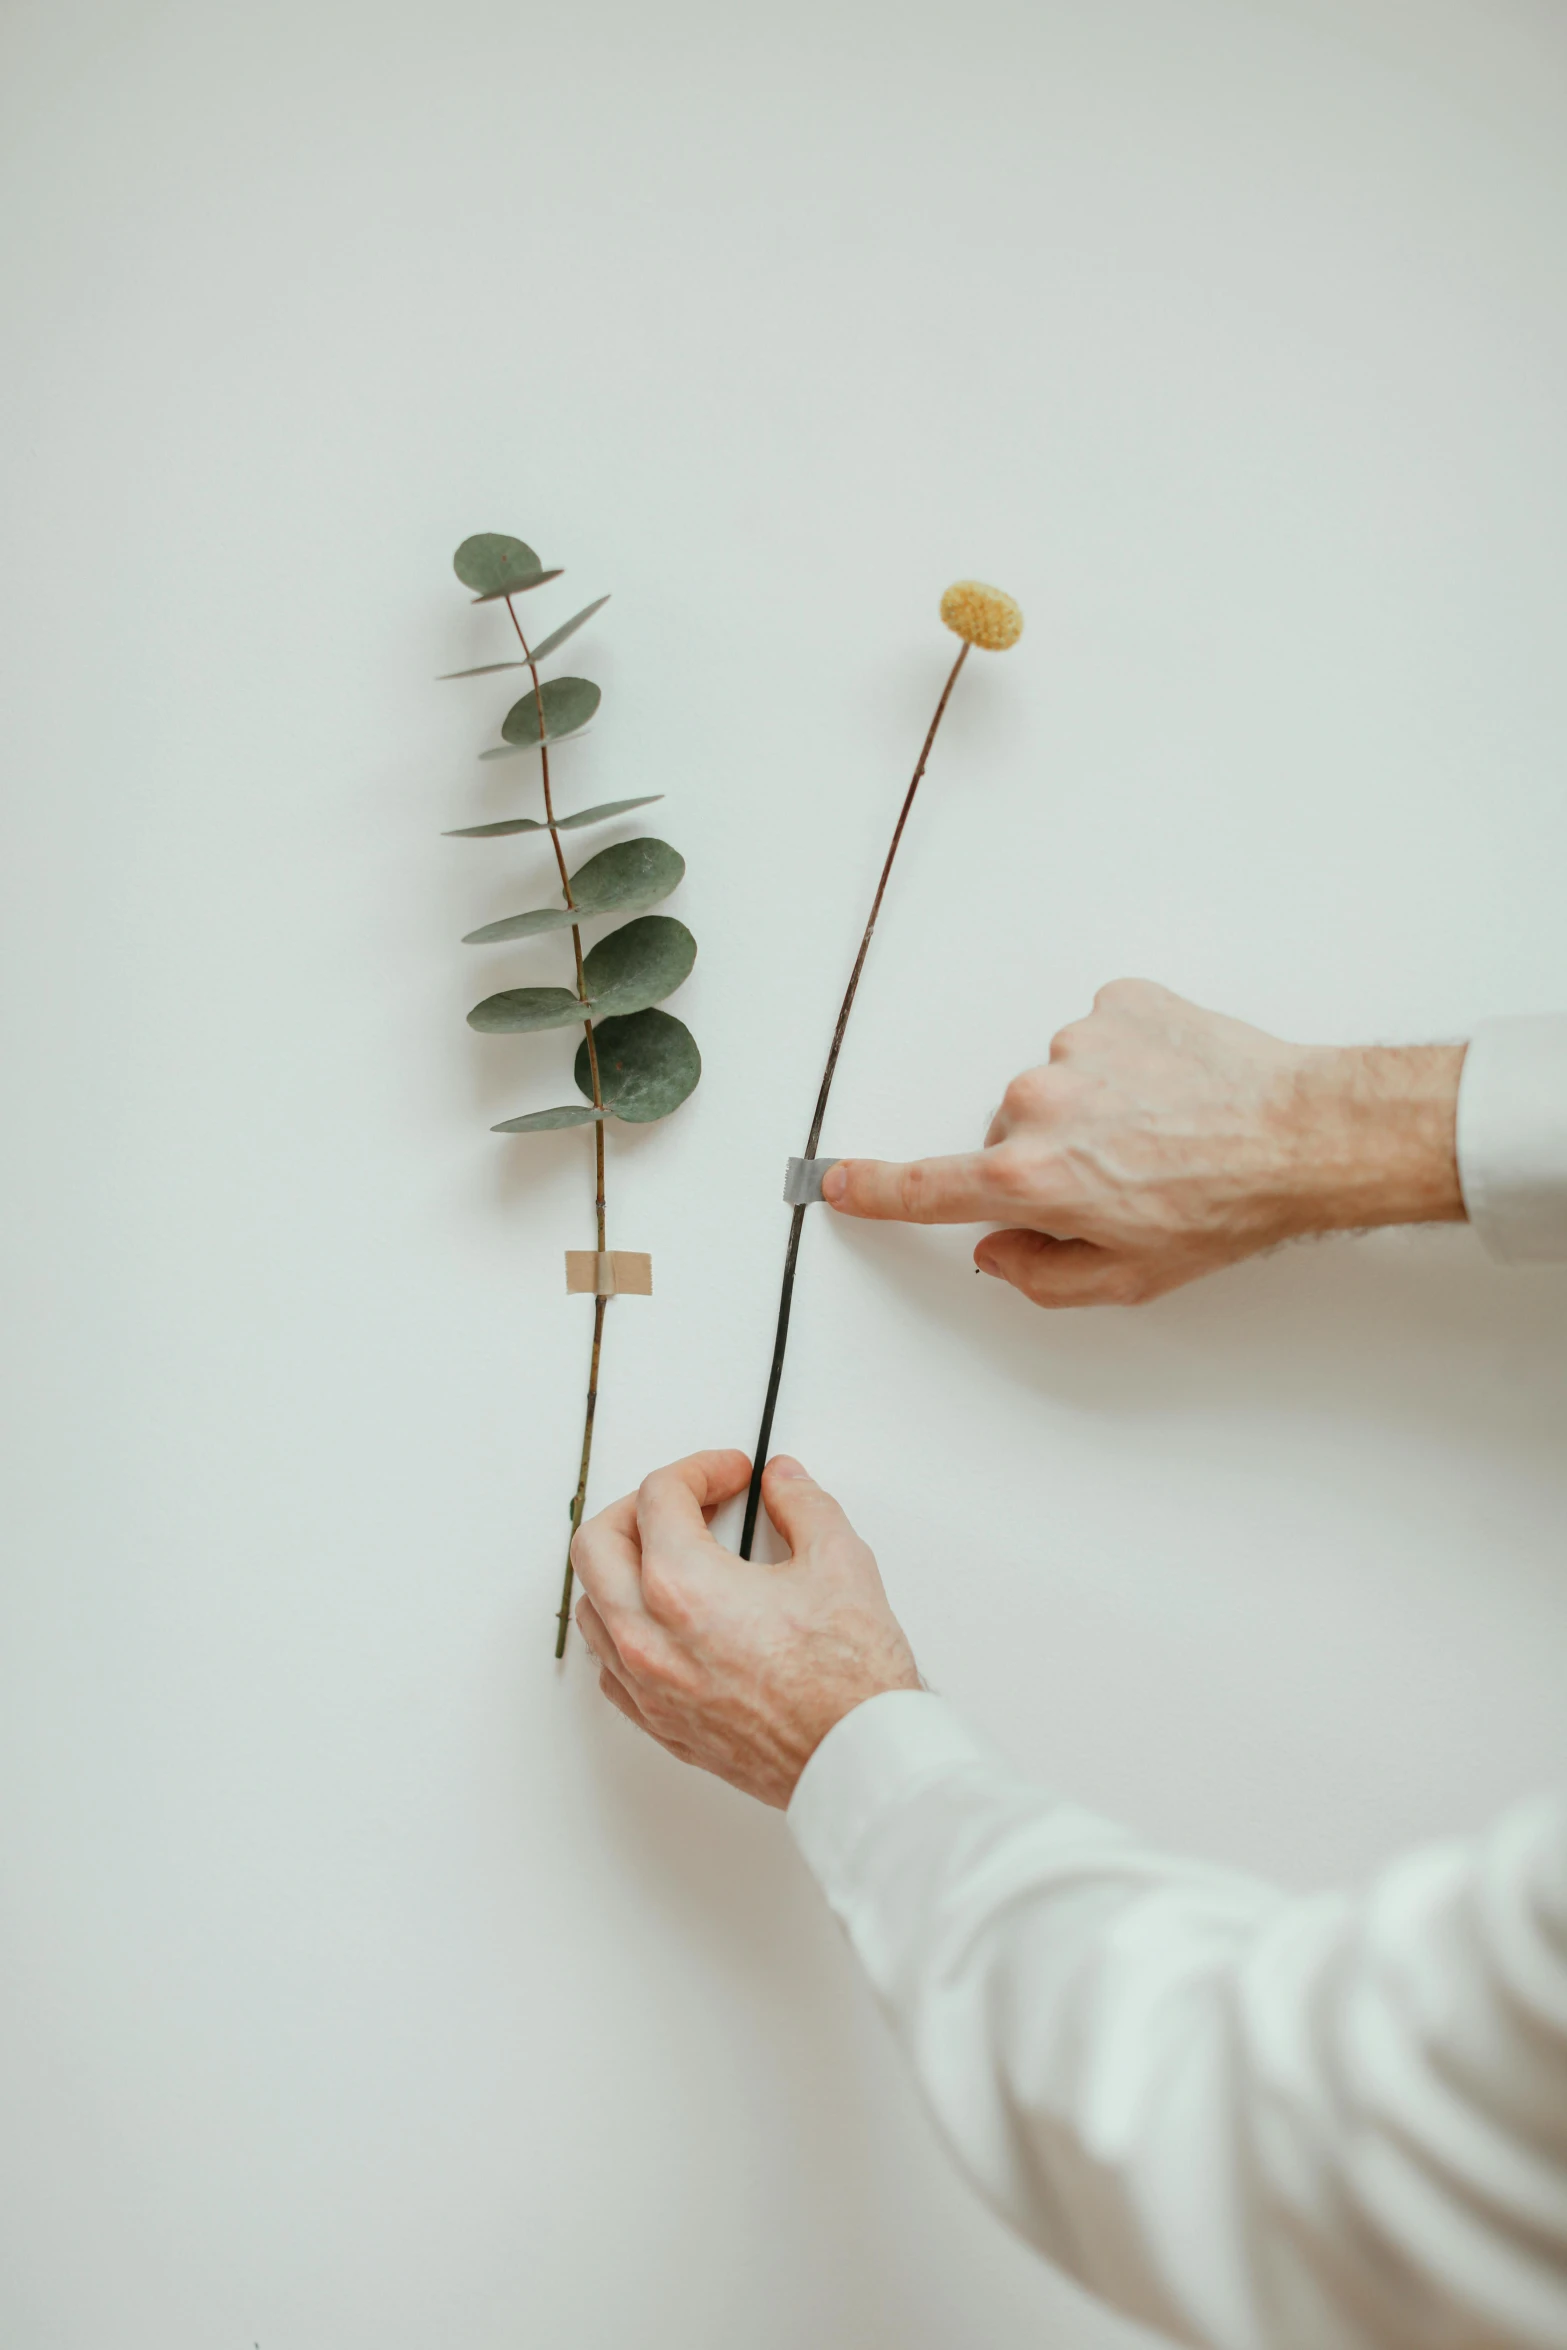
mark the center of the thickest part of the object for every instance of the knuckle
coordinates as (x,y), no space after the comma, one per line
(664,1695)
(1011,1172)
(650,1487)
(1066,1041)
(637,1646)
(651,1660)
(1026,1096)
(1125,995)
(665,1593)
(661,1712)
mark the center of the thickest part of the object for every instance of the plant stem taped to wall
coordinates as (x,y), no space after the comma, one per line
(635,1062)
(983,616)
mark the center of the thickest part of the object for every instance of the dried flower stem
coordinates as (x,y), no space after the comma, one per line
(579,1498)
(791,1255)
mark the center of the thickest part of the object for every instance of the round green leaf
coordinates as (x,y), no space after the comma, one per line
(569,702)
(550,1121)
(632,874)
(523,926)
(647,1065)
(494,565)
(638,965)
(526,1007)
(599,815)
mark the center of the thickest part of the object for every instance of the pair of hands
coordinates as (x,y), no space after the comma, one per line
(1158,1143)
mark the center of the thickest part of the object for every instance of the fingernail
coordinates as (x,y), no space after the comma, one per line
(784,1464)
(835,1183)
(984,1265)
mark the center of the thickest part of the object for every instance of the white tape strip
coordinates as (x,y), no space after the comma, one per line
(803,1181)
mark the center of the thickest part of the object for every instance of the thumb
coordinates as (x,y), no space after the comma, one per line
(1060,1272)
(798,1507)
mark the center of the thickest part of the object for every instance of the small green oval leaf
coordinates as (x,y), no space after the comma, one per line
(630,876)
(490,563)
(542,918)
(550,1121)
(648,1064)
(603,812)
(623,879)
(526,1008)
(538,579)
(497,831)
(638,965)
(486,669)
(568,628)
(599,815)
(569,702)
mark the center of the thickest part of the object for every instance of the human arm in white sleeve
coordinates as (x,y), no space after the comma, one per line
(1160,1142)
(1264,2124)
(1256,2122)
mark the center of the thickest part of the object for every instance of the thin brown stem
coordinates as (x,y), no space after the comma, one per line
(847,1006)
(563,1620)
(599,1303)
(792,1253)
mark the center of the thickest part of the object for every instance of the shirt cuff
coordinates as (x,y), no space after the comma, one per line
(1512,1138)
(868,1764)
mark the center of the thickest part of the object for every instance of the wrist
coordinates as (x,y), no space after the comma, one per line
(834,1701)
(1372,1131)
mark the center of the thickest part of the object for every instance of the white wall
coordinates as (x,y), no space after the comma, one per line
(369,1986)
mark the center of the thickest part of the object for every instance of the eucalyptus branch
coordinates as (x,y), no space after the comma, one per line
(634,1062)
(981,616)
(563,1618)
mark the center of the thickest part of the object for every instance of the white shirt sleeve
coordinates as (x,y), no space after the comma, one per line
(1257,2122)
(1512,1137)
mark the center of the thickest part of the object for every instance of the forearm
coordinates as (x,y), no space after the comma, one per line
(1257,2123)
(1427,1134)
(1367,1136)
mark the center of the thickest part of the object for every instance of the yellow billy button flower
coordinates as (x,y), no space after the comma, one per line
(983,616)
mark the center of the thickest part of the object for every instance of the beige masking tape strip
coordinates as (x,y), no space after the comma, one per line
(617,1272)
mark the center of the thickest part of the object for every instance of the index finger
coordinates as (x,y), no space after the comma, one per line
(673,1504)
(964,1189)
